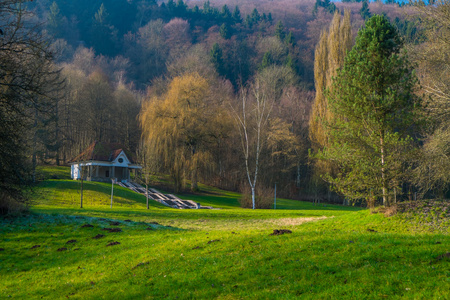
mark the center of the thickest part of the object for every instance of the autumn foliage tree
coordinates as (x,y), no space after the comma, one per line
(329,57)
(330,53)
(179,126)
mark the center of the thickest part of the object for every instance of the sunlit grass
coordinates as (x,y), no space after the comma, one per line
(52,172)
(333,252)
(67,193)
(328,258)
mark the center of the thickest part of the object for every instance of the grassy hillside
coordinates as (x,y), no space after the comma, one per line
(333,252)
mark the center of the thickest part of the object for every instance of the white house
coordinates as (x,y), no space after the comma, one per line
(103,162)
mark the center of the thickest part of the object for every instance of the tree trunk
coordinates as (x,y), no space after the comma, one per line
(146,193)
(194,180)
(253,197)
(112,191)
(33,159)
(81,193)
(57,134)
(383,175)
(176,180)
(194,175)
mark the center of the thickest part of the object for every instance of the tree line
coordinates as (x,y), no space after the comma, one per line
(240,100)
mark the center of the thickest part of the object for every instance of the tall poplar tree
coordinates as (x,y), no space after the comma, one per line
(374,96)
(365,11)
(329,56)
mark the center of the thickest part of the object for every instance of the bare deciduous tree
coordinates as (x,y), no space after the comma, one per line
(28,80)
(253,115)
(433,58)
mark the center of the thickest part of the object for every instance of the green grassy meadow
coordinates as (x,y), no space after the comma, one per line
(333,252)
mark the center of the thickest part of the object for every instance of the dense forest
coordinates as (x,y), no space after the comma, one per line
(241,95)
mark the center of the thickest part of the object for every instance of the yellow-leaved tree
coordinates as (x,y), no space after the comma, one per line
(330,52)
(179,127)
(329,57)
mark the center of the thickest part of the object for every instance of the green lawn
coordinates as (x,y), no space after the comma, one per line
(333,252)
(52,172)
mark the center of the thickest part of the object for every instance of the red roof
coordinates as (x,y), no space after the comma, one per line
(101,151)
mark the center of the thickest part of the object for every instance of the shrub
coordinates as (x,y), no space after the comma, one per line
(9,205)
(390,211)
(264,197)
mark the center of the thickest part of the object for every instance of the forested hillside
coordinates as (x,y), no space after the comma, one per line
(221,92)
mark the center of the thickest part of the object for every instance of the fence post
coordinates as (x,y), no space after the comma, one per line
(112,190)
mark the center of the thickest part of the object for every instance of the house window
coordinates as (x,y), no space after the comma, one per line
(121,160)
(107,174)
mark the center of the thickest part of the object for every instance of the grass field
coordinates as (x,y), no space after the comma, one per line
(333,252)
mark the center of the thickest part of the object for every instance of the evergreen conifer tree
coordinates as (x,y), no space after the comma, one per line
(267,60)
(171,6)
(291,63)
(217,58)
(224,31)
(364,11)
(256,17)
(373,97)
(225,13)
(279,31)
(237,15)
(289,40)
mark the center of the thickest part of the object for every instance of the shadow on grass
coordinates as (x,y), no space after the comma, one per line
(320,265)
(297,204)
(46,217)
(46,172)
(63,192)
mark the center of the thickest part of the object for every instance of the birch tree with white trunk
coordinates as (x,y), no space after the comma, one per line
(252,116)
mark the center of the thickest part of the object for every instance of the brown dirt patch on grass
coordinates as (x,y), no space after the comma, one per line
(446,255)
(140,265)
(292,221)
(280,231)
(112,229)
(113,243)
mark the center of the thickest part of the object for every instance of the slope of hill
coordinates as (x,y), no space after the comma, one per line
(128,252)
